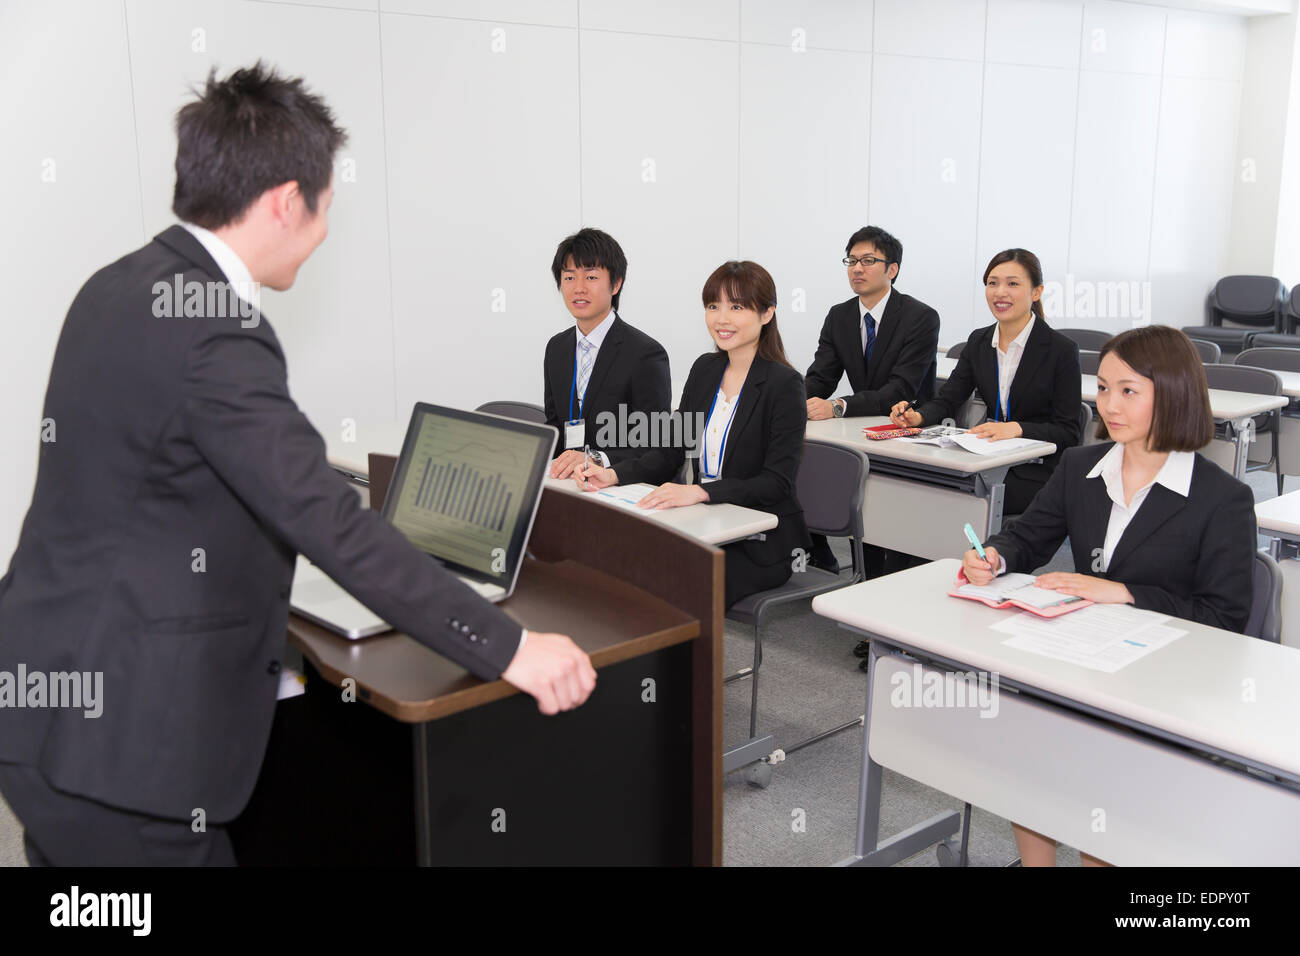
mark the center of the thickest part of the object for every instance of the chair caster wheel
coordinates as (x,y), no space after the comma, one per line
(760,775)
(947,854)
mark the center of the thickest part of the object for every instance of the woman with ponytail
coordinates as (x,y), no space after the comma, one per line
(752,405)
(1026,374)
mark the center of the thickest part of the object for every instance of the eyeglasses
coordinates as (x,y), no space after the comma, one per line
(867,261)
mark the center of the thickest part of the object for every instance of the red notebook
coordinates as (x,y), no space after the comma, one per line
(1018,590)
(878,432)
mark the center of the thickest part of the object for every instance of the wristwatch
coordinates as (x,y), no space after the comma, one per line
(837,406)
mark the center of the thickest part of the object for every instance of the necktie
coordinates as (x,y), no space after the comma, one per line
(871,339)
(584,368)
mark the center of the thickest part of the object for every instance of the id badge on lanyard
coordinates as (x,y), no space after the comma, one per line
(575,429)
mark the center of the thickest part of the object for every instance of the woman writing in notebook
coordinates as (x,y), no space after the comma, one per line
(1026,373)
(752,403)
(1151,522)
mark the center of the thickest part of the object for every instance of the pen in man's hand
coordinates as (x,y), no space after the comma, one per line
(586,463)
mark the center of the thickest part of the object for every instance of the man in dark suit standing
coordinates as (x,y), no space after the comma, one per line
(180,484)
(603,370)
(884,339)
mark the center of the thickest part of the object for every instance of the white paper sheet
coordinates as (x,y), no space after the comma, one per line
(624,496)
(1016,587)
(982,446)
(1103,637)
(941,435)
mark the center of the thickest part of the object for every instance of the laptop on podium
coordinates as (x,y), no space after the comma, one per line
(465,491)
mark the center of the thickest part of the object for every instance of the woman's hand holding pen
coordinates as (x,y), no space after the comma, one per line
(592,477)
(673,496)
(1097,590)
(905,416)
(978,570)
(996,431)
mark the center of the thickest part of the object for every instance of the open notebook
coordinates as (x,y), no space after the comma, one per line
(1019,590)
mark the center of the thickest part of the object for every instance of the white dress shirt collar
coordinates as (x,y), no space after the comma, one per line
(877,311)
(1175,474)
(1020,340)
(228,261)
(597,335)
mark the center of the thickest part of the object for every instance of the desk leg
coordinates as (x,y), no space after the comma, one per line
(994,483)
(902,845)
(1243,433)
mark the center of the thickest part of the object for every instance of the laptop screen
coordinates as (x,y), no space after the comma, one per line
(466,488)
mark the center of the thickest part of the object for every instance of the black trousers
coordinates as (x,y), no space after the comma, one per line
(61,829)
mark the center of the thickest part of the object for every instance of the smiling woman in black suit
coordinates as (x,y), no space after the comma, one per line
(1159,526)
(753,406)
(1026,373)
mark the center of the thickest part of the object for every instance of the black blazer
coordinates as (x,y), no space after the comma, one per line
(764,447)
(902,360)
(1189,557)
(177,434)
(631,370)
(1044,396)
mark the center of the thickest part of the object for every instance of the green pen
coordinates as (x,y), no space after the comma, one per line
(975,542)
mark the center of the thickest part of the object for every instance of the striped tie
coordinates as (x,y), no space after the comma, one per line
(584,369)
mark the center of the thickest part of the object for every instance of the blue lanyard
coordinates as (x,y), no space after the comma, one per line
(704,439)
(573,389)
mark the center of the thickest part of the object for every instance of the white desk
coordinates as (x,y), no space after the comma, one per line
(1053,757)
(918,497)
(713,524)
(1234,408)
(1279,518)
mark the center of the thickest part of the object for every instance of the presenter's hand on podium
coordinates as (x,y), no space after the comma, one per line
(977,570)
(566,463)
(903,418)
(553,670)
(672,495)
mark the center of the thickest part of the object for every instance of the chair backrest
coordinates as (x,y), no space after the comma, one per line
(830,488)
(1282,360)
(1243,378)
(1088,361)
(954,351)
(1085,420)
(1265,621)
(520,411)
(1273,340)
(1293,302)
(1209,351)
(1091,339)
(1248,300)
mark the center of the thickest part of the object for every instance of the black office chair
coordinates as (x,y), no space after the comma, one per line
(830,488)
(1291,315)
(954,351)
(1210,353)
(1088,361)
(1272,340)
(1279,360)
(1090,339)
(1252,303)
(1085,422)
(1261,381)
(520,411)
(1265,621)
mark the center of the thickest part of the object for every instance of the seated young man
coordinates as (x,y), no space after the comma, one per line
(601,370)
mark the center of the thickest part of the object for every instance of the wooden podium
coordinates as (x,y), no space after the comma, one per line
(430,765)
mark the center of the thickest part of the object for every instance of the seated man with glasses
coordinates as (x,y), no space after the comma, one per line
(886,341)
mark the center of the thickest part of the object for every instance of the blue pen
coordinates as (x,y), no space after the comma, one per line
(975,542)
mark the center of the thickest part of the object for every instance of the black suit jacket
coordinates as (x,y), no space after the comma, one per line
(631,370)
(1044,396)
(761,461)
(902,359)
(1189,557)
(172,435)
